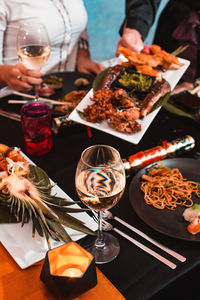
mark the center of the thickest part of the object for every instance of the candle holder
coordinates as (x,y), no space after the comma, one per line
(69,270)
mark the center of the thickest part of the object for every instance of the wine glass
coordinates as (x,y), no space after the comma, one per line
(33,47)
(100,182)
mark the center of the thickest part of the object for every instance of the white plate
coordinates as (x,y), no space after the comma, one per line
(26,250)
(172,76)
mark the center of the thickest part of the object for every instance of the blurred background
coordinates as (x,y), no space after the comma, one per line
(104,20)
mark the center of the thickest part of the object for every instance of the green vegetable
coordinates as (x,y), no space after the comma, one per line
(156,166)
(198,192)
(196,206)
(140,82)
(53,81)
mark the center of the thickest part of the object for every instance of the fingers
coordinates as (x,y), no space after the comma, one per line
(131,39)
(21,78)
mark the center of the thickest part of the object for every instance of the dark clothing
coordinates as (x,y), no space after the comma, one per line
(140,14)
(179,24)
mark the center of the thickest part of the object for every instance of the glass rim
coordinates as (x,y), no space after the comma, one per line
(101,145)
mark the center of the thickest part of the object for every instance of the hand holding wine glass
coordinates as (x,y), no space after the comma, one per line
(100,182)
(33,47)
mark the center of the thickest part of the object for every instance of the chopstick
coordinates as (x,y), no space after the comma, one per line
(145,236)
(10,115)
(146,249)
(40,98)
(179,50)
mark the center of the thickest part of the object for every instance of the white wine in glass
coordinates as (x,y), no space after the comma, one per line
(34,57)
(100,182)
(33,46)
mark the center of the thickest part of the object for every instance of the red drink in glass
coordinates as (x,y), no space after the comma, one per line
(36,127)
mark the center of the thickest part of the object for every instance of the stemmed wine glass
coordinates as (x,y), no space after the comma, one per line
(100,182)
(33,46)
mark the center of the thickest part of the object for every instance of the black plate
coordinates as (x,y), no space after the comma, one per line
(68,86)
(187,101)
(170,223)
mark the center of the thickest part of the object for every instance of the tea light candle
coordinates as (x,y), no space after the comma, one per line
(69,270)
(72,272)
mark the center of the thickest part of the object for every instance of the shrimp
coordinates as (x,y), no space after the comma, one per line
(190,214)
(194,226)
(165,55)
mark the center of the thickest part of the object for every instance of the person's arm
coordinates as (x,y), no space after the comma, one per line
(84,62)
(140,15)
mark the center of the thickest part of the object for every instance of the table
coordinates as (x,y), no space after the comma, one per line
(137,275)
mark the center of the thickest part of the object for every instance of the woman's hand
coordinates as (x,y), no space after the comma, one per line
(85,64)
(131,39)
(19,77)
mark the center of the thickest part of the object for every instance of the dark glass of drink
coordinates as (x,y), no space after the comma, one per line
(36,127)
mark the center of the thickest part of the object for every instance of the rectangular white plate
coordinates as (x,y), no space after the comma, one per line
(26,250)
(172,76)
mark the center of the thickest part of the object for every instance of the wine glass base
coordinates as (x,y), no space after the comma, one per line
(108,252)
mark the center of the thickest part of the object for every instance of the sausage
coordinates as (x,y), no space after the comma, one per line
(109,78)
(159,89)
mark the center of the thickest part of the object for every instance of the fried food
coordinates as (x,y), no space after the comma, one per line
(12,161)
(165,55)
(152,63)
(107,104)
(70,101)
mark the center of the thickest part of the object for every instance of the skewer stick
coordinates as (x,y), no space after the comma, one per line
(40,98)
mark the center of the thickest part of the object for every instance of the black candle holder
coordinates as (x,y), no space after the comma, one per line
(69,270)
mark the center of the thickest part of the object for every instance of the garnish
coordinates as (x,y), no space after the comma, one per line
(26,196)
(198,191)
(136,81)
(53,81)
(196,206)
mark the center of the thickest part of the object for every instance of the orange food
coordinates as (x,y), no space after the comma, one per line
(168,189)
(144,69)
(12,161)
(165,55)
(149,63)
(194,226)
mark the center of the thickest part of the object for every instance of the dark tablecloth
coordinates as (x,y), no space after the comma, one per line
(135,273)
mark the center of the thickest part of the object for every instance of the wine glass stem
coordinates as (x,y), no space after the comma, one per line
(99,243)
(36,93)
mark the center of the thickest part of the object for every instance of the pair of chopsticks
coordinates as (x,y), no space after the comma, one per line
(179,50)
(10,115)
(31,96)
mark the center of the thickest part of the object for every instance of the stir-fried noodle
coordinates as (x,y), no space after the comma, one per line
(165,188)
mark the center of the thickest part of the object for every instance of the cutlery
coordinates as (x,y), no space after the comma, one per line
(179,50)
(40,98)
(109,215)
(107,227)
(10,115)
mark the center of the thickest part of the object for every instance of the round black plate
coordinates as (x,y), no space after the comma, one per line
(168,222)
(68,86)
